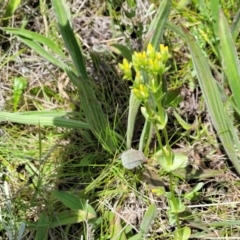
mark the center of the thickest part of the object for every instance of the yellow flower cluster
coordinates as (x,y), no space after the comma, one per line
(150,62)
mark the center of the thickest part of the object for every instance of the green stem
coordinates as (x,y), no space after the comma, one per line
(159,138)
(169,157)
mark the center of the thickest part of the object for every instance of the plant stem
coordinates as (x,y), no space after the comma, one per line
(158,137)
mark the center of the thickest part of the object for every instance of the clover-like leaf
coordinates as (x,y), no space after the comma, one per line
(179,161)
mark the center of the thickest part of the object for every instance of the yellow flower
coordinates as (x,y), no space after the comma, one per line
(153,66)
(139,60)
(126,68)
(138,79)
(141,92)
(151,53)
(163,48)
(164,52)
(158,56)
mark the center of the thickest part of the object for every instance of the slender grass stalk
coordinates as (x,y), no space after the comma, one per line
(221,120)
(42,120)
(229,57)
(91,107)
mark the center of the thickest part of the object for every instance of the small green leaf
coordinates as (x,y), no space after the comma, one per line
(148,217)
(20,83)
(182,234)
(125,51)
(172,217)
(184,124)
(73,202)
(193,194)
(176,205)
(70,217)
(179,161)
(172,98)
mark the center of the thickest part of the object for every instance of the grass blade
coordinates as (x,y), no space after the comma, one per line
(215,7)
(69,37)
(211,94)
(93,111)
(159,22)
(70,217)
(149,216)
(73,202)
(134,104)
(235,26)
(11,8)
(229,57)
(36,37)
(42,52)
(42,227)
(42,120)
(125,51)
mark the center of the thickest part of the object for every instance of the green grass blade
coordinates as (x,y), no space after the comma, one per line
(215,7)
(134,104)
(176,29)
(48,113)
(67,217)
(69,38)
(70,217)
(21,231)
(11,8)
(235,26)
(94,114)
(42,227)
(229,58)
(42,52)
(125,51)
(159,22)
(36,37)
(42,120)
(211,94)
